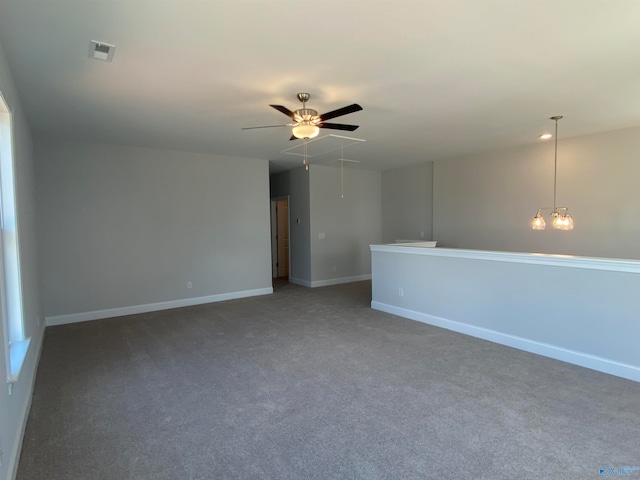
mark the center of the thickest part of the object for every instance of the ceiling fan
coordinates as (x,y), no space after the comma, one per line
(307,122)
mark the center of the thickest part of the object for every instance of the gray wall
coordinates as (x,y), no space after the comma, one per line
(486,201)
(13,408)
(295,183)
(125,226)
(407,203)
(349,224)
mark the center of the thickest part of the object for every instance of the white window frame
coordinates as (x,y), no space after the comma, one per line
(11,311)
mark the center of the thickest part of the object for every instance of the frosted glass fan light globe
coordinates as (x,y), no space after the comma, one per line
(305,131)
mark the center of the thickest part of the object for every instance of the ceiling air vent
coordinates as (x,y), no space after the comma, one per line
(101,51)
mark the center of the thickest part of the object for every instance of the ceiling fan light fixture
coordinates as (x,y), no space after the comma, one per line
(306,121)
(305,130)
(306,115)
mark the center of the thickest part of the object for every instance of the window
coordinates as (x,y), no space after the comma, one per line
(16,344)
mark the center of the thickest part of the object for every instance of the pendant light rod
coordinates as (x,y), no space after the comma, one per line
(555,161)
(562,219)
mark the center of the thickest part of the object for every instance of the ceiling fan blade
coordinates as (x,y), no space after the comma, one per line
(338,126)
(265,126)
(284,110)
(339,112)
(293,137)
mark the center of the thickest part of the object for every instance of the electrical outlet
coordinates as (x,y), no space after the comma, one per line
(189,284)
(401,292)
(334,268)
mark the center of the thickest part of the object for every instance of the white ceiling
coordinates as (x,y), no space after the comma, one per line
(436,78)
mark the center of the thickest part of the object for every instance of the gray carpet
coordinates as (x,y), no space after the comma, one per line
(313,384)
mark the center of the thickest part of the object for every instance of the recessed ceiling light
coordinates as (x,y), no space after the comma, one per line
(101,51)
(545,136)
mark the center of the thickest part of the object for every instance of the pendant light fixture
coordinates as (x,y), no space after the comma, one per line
(562,219)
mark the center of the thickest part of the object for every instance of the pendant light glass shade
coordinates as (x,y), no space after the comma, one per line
(563,221)
(538,222)
(569,222)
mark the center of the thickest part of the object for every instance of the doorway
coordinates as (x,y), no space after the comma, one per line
(280,255)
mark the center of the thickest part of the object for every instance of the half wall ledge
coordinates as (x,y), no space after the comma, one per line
(579,310)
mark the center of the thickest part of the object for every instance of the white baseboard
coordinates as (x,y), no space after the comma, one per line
(593,362)
(338,281)
(299,281)
(331,281)
(14,457)
(152,307)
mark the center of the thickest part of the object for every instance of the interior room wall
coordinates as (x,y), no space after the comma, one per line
(125,226)
(343,228)
(508,299)
(14,406)
(487,201)
(407,203)
(295,184)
